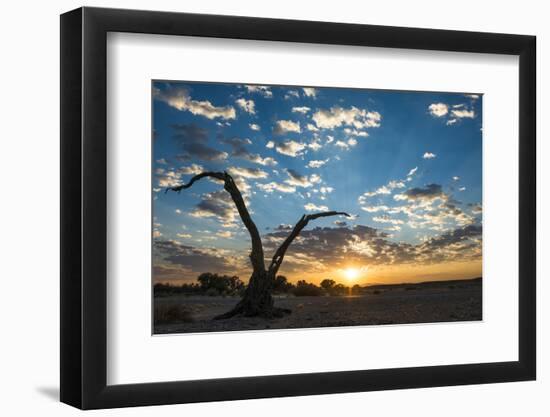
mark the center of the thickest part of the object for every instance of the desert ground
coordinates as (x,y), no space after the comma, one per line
(431,302)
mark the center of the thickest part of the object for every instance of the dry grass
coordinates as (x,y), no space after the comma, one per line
(172,313)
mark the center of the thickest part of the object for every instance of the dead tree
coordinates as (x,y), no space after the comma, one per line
(257,299)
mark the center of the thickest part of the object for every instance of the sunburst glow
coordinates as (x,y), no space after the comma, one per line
(351,273)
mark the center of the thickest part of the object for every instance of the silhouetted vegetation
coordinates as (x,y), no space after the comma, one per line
(304,288)
(172,313)
(211,284)
(207,284)
(281,285)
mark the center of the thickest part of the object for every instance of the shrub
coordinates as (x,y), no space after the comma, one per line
(304,288)
(171,313)
(281,285)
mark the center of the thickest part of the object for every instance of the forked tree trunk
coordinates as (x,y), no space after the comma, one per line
(257,299)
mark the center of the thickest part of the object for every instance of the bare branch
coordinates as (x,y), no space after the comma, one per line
(257,253)
(277,259)
(218,175)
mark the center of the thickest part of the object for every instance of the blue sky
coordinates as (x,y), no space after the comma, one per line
(406,165)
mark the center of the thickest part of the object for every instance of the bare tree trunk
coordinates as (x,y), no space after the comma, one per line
(257,299)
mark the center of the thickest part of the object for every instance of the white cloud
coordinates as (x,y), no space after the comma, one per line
(455,178)
(292,94)
(347,144)
(463,113)
(184,235)
(260,89)
(337,116)
(268,161)
(429,155)
(302,110)
(396,184)
(315,178)
(456,112)
(247,105)
(289,148)
(375,209)
(177,211)
(298,180)
(312,128)
(248,172)
(179,99)
(313,207)
(355,132)
(310,92)
(254,126)
(315,145)
(387,219)
(286,126)
(273,186)
(462,189)
(270,144)
(412,172)
(438,109)
(317,163)
(326,190)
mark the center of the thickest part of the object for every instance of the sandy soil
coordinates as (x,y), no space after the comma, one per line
(396,304)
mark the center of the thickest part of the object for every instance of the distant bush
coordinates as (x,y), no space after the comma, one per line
(304,289)
(328,285)
(171,313)
(222,284)
(282,286)
(207,284)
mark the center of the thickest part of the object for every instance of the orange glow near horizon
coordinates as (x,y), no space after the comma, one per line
(363,275)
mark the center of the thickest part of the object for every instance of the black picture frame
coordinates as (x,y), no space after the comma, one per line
(84,207)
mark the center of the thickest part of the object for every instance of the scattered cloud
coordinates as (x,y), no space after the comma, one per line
(311,128)
(461,113)
(429,193)
(260,89)
(192,140)
(298,180)
(179,98)
(302,110)
(248,172)
(314,207)
(317,163)
(239,150)
(274,186)
(288,148)
(337,116)
(292,94)
(286,126)
(428,155)
(246,105)
(254,126)
(438,109)
(310,92)
(453,113)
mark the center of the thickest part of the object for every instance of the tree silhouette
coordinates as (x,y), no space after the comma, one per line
(257,299)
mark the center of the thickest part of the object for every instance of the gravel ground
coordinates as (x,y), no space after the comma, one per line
(398,304)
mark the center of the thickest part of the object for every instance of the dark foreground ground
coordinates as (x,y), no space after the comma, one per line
(443,301)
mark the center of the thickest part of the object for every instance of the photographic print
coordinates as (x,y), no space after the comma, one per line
(284,207)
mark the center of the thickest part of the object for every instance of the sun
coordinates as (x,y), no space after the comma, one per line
(351,273)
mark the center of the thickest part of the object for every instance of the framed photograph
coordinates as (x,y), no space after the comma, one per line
(257,208)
